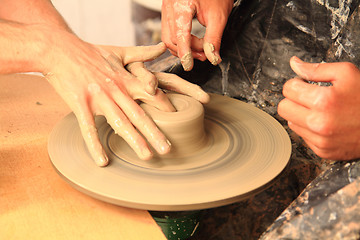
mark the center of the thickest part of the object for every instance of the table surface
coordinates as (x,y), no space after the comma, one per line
(35,203)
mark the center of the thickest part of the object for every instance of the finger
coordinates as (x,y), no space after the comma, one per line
(331,154)
(199,56)
(315,139)
(322,72)
(173,52)
(322,123)
(125,129)
(310,71)
(136,91)
(197,48)
(177,84)
(148,79)
(323,153)
(141,121)
(308,95)
(211,53)
(293,112)
(212,39)
(167,26)
(322,146)
(138,53)
(90,136)
(184,13)
(159,100)
(103,104)
(197,44)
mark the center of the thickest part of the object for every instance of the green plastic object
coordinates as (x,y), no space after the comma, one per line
(177,225)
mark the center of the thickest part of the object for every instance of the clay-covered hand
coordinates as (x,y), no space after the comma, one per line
(166,81)
(176,23)
(326,117)
(93,80)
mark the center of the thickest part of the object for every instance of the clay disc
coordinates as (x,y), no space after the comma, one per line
(245,149)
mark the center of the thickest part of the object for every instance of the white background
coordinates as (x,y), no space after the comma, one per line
(99,21)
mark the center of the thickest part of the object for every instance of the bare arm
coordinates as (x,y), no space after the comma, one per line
(23,41)
(32,12)
(21,48)
(91,79)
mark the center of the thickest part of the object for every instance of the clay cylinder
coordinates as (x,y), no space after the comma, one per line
(184,128)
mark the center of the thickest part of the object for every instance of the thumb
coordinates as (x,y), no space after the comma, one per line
(324,72)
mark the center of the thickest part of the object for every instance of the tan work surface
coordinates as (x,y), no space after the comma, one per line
(35,203)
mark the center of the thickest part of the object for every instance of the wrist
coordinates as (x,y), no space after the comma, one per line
(50,45)
(21,47)
(38,47)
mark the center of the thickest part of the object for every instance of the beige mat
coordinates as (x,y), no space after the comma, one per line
(35,203)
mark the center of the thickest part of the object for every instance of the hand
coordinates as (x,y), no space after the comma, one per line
(327,118)
(176,24)
(93,81)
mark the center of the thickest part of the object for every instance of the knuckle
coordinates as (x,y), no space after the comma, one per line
(324,143)
(322,153)
(283,108)
(324,125)
(173,39)
(151,78)
(348,67)
(325,100)
(280,108)
(326,129)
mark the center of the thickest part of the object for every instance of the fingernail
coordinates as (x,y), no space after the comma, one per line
(103,161)
(297,66)
(161,44)
(187,61)
(209,50)
(165,147)
(205,98)
(301,68)
(296,59)
(151,88)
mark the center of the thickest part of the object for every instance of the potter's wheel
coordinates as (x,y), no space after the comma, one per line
(245,148)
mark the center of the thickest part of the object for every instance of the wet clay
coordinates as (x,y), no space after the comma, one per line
(192,144)
(187,61)
(209,52)
(184,128)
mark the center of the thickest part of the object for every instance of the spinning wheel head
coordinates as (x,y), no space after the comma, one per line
(229,150)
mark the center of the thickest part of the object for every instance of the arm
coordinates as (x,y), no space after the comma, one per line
(32,12)
(91,79)
(21,36)
(21,48)
(327,118)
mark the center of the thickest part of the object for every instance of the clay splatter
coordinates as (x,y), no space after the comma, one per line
(340,15)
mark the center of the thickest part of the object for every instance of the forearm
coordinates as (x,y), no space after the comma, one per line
(32,12)
(22,48)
